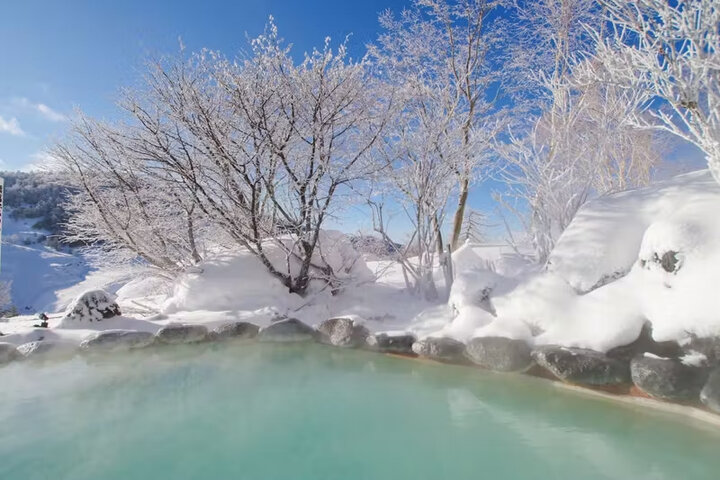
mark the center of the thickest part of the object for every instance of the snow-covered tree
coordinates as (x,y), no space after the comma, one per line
(451,47)
(669,52)
(417,175)
(122,205)
(581,141)
(259,147)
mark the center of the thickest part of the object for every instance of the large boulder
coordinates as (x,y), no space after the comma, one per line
(176,334)
(444,349)
(400,343)
(667,378)
(710,394)
(581,366)
(117,340)
(343,332)
(499,353)
(90,307)
(45,348)
(290,330)
(235,330)
(8,353)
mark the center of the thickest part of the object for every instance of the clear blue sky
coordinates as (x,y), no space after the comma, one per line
(56,55)
(59,54)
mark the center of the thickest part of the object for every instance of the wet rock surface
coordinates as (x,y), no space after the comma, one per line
(667,378)
(499,354)
(112,340)
(175,334)
(443,349)
(343,332)
(582,366)
(710,394)
(400,343)
(45,348)
(290,330)
(235,330)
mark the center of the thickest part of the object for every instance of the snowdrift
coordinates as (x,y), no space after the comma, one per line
(647,255)
(239,281)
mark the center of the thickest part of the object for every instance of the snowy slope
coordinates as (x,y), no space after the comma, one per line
(37,272)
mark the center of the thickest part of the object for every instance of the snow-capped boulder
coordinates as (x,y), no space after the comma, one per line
(392,342)
(45,348)
(290,330)
(176,333)
(668,378)
(117,340)
(499,354)
(581,366)
(343,332)
(604,240)
(235,330)
(710,394)
(443,349)
(8,353)
(90,307)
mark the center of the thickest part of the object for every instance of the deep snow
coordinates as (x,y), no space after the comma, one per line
(604,280)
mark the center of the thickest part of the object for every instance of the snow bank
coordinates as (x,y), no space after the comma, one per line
(229,282)
(651,254)
(603,240)
(239,280)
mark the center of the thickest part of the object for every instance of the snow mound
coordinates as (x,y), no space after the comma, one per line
(91,306)
(240,281)
(650,254)
(604,239)
(229,282)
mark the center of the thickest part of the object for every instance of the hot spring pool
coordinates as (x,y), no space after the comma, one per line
(311,412)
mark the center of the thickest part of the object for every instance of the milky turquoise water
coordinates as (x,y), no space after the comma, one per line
(310,412)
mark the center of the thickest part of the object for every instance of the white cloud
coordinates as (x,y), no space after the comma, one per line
(49,113)
(11,126)
(44,110)
(41,160)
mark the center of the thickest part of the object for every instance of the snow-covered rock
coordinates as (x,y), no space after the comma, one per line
(603,240)
(90,307)
(8,353)
(235,330)
(667,378)
(290,330)
(582,366)
(343,332)
(117,340)
(499,354)
(175,334)
(45,349)
(443,349)
(392,342)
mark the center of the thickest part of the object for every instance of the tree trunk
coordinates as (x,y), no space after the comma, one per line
(459,214)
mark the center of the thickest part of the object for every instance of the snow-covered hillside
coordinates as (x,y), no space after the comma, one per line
(37,273)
